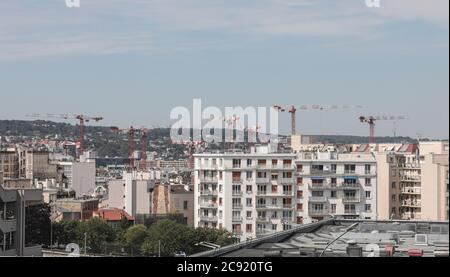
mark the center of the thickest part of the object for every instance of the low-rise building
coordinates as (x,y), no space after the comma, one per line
(13,204)
(72,209)
(114,217)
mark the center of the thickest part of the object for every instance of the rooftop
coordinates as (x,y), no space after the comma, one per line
(429,238)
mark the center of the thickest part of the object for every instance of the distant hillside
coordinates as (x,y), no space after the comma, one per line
(97,134)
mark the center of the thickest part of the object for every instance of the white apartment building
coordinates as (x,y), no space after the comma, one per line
(249,194)
(79,176)
(132,193)
(331,183)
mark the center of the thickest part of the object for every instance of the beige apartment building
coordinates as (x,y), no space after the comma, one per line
(413,182)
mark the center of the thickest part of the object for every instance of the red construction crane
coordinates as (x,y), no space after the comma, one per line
(83,119)
(372,119)
(131,135)
(293,109)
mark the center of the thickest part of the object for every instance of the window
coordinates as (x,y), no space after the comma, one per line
(274,176)
(349,169)
(368,182)
(249,189)
(368,208)
(274,189)
(300,207)
(287,175)
(333,194)
(333,168)
(394,197)
(262,162)
(300,168)
(274,163)
(274,227)
(393,185)
(333,208)
(185,205)
(249,202)
(236,163)
(249,175)
(236,176)
(274,201)
(394,211)
(333,181)
(249,228)
(249,162)
(300,194)
(249,214)
(274,215)
(367,169)
(299,181)
(368,194)
(262,174)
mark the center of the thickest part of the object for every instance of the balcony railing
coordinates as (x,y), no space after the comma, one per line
(407,190)
(208,205)
(262,219)
(237,207)
(350,185)
(350,212)
(318,212)
(262,180)
(209,180)
(351,200)
(237,193)
(288,193)
(411,203)
(209,192)
(237,219)
(415,179)
(209,218)
(318,199)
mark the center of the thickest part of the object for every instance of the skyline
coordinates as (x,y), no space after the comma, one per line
(133,62)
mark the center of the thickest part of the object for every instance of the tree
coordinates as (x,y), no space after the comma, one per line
(98,233)
(65,232)
(37,224)
(135,237)
(169,237)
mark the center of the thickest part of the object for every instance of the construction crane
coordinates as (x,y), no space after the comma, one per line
(83,119)
(293,109)
(231,121)
(132,132)
(372,119)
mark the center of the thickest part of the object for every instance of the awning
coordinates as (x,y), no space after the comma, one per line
(351,178)
(317,178)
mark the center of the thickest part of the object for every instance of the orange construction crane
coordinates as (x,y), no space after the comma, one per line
(293,109)
(83,119)
(372,119)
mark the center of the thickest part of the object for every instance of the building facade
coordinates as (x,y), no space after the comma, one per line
(333,184)
(249,194)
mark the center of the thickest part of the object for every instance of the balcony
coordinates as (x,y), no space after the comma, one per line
(262,219)
(237,219)
(350,212)
(411,215)
(208,205)
(261,206)
(350,185)
(261,192)
(237,207)
(288,193)
(209,218)
(412,191)
(322,172)
(287,180)
(262,180)
(414,179)
(318,199)
(323,212)
(237,193)
(7,226)
(209,192)
(208,180)
(412,203)
(348,200)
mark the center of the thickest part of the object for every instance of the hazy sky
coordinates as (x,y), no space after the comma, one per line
(132,61)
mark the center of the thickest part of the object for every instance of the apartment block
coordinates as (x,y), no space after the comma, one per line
(79,177)
(336,183)
(414,183)
(13,204)
(249,194)
(132,193)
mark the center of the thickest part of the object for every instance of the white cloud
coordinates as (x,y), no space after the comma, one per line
(115,26)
